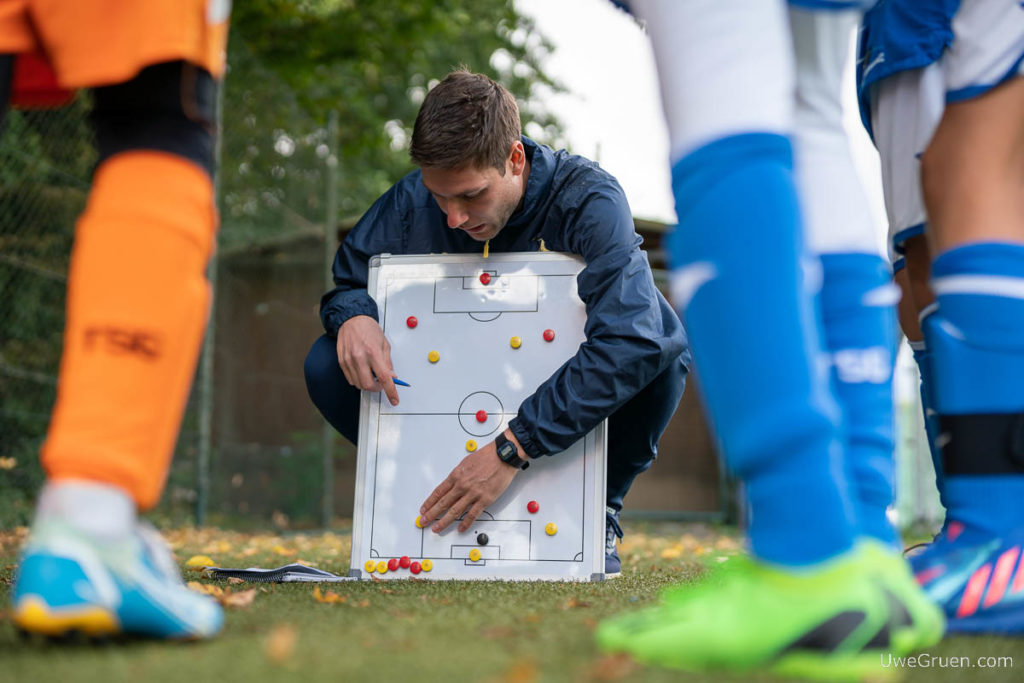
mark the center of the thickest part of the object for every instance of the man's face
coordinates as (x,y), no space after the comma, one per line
(479,200)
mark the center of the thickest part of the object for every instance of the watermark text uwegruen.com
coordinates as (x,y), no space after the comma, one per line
(927,661)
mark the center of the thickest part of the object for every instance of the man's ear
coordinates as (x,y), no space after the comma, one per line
(517,157)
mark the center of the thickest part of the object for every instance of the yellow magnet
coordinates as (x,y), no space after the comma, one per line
(433,356)
(515,342)
(419,522)
(370,566)
(474,554)
(426,565)
(471,445)
(551,528)
(382,567)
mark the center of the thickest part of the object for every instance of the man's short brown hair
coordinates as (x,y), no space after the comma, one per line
(466,120)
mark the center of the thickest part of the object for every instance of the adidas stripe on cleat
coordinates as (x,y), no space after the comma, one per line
(978,584)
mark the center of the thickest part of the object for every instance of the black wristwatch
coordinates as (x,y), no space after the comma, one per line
(508,452)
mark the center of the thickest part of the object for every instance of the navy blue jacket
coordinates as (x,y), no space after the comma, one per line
(573,206)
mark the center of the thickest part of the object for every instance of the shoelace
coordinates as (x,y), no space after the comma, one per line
(612,532)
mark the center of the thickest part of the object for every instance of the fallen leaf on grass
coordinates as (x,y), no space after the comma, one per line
(224,597)
(206,589)
(279,645)
(196,563)
(330,597)
(218,547)
(8,463)
(281,550)
(240,599)
(533,618)
(234,580)
(612,668)
(389,591)
(573,603)
(522,672)
(671,553)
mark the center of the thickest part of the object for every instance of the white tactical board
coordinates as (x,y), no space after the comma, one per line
(406,451)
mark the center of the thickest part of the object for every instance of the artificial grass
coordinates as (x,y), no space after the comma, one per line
(415,631)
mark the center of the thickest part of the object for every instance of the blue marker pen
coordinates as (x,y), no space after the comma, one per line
(395,380)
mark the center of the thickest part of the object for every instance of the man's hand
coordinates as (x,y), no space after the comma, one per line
(475,483)
(363,352)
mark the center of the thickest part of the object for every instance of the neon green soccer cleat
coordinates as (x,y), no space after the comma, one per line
(831,623)
(917,622)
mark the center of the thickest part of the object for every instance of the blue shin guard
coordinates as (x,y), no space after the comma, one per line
(738,280)
(857,301)
(977,341)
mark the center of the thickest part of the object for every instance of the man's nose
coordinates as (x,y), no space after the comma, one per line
(456,215)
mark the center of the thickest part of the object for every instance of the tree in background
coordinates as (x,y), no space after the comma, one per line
(292,63)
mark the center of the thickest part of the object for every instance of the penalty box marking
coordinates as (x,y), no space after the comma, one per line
(507,294)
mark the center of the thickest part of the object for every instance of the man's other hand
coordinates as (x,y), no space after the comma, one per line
(475,483)
(364,355)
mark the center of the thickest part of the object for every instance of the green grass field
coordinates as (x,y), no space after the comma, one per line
(412,631)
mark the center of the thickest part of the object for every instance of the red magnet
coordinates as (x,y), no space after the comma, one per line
(533,506)
(411,321)
(415,567)
(481,416)
(485,278)
(404,562)
(393,564)
(549,335)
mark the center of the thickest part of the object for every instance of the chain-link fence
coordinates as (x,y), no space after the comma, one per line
(45,165)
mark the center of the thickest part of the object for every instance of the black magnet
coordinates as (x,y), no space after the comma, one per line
(482,539)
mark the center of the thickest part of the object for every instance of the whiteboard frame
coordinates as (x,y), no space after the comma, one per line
(597,436)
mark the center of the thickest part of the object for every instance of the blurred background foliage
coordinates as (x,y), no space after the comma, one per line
(291,63)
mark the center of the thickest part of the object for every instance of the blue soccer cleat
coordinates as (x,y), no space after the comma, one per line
(68,583)
(978,583)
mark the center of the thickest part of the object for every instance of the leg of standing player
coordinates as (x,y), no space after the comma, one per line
(857,298)
(137,304)
(727,77)
(905,109)
(973,182)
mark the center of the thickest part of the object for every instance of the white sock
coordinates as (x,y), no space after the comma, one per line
(100,510)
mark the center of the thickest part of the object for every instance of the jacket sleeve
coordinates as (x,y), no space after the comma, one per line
(380,230)
(631,334)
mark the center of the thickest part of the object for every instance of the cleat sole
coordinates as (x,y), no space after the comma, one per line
(32,615)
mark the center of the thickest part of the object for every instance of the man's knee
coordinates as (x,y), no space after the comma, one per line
(321,367)
(646,415)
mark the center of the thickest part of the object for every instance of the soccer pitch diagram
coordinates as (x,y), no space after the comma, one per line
(474,337)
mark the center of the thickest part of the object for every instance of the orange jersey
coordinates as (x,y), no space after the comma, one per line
(100,42)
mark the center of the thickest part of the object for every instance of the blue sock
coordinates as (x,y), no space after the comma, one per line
(857,298)
(923,358)
(977,341)
(738,281)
